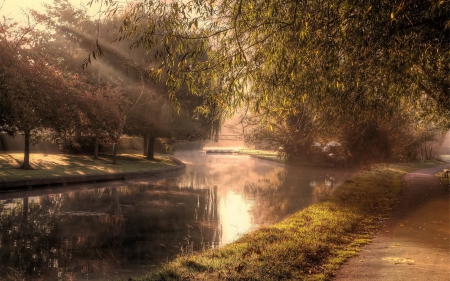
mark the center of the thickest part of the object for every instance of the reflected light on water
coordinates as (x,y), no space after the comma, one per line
(124,230)
(235,216)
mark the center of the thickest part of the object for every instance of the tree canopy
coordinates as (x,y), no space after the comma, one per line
(287,51)
(44,88)
(316,69)
(349,60)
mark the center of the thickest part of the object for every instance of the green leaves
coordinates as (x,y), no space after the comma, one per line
(347,60)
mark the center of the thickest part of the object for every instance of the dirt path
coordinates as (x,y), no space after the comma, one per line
(415,243)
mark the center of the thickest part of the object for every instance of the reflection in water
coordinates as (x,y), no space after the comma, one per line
(118,232)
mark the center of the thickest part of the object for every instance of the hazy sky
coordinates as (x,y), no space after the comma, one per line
(12,8)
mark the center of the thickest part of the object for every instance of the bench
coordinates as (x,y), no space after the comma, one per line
(446,172)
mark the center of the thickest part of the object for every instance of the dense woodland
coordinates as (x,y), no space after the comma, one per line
(371,75)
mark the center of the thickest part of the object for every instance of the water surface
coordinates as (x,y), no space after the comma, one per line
(119,230)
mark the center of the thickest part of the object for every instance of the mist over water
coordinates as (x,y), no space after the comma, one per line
(119,230)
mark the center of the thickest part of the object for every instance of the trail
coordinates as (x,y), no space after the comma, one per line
(415,243)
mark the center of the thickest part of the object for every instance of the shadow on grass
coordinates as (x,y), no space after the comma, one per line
(46,165)
(18,162)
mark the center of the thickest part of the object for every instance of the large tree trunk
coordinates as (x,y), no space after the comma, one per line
(26,155)
(151,148)
(114,161)
(145,138)
(96,148)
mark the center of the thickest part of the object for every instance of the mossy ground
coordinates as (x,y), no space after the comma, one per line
(308,245)
(54,165)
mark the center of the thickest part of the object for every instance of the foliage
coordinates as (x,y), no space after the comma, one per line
(294,134)
(149,112)
(32,92)
(276,53)
(422,143)
(346,64)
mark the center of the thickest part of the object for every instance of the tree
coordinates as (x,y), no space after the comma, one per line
(295,134)
(150,114)
(99,107)
(357,63)
(28,87)
(102,115)
(265,50)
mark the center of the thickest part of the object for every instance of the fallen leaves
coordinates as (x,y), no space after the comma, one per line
(395,260)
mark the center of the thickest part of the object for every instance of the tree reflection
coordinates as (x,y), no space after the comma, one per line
(287,190)
(118,232)
(92,234)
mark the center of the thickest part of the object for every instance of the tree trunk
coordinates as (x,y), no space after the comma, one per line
(151,148)
(78,136)
(145,144)
(96,148)
(114,161)
(25,209)
(26,155)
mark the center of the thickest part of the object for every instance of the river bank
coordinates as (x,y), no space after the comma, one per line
(67,168)
(217,200)
(308,245)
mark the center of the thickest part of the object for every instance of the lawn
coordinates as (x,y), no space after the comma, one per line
(55,165)
(308,245)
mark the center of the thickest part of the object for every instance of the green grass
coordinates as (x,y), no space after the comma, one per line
(263,154)
(54,165)
(445,181)
(308,245)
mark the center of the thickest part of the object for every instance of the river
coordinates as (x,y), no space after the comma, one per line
(117,230)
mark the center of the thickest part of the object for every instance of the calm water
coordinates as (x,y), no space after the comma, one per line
(122,229)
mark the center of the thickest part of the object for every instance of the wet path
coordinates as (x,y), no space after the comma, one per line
(414,244)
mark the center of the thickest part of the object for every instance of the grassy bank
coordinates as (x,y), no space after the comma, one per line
(308,245)
(263,154)
(275,157)
(51,165)
(445,181)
